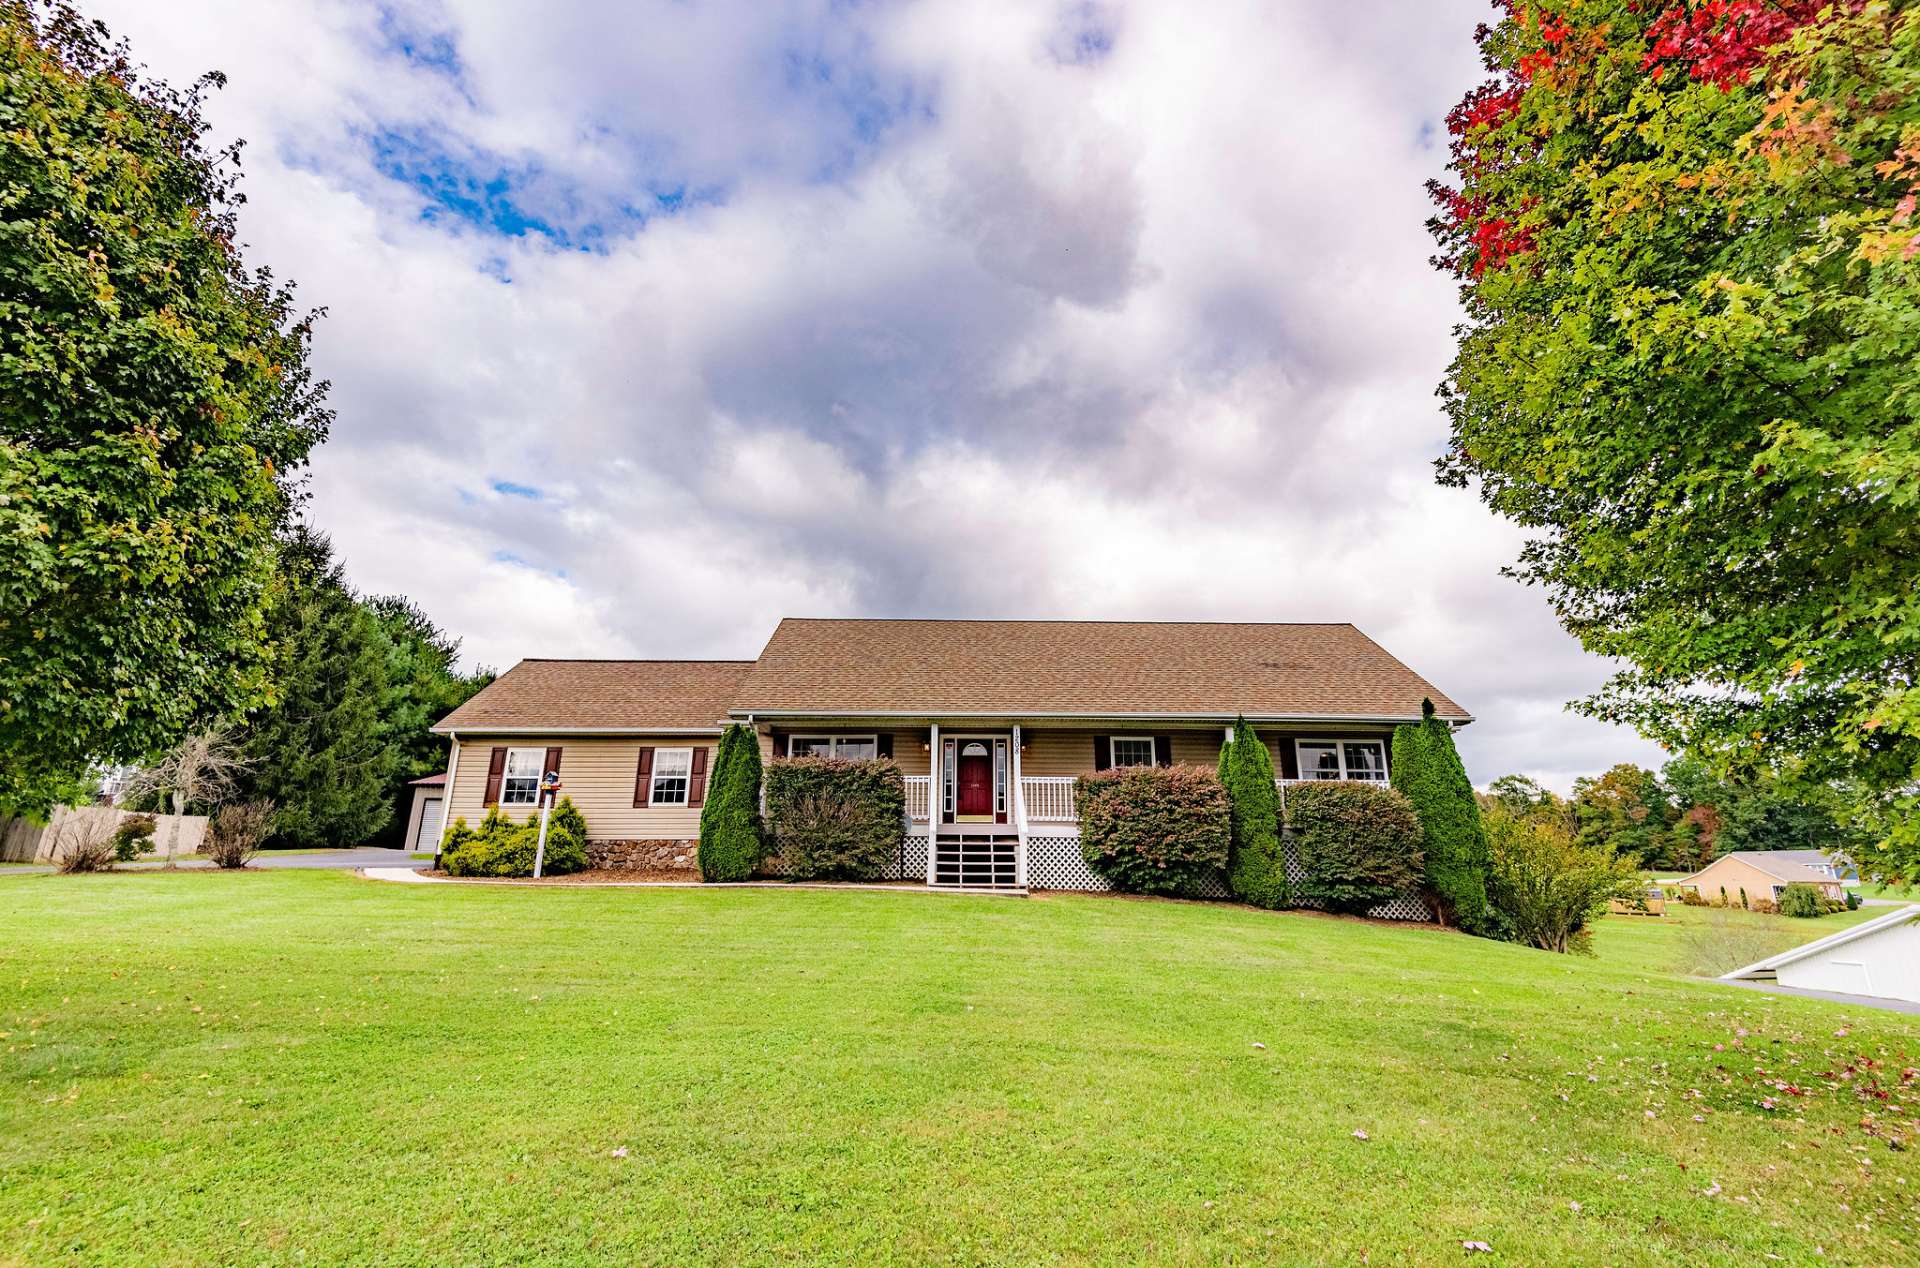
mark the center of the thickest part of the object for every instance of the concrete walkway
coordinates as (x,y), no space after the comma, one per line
(363,857)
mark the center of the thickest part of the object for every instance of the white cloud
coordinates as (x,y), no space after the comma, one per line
(924,309)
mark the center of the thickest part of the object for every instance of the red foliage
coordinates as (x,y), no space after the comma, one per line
(1722,41)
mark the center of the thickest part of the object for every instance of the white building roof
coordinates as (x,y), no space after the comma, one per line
(1768,967)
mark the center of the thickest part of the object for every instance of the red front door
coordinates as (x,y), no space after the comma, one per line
(975,777)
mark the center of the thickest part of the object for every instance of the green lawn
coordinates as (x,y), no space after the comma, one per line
(304,1066)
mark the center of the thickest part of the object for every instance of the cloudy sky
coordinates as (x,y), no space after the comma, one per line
(652,322)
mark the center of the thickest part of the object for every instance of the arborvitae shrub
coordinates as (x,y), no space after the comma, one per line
(1155,829)
(732,839)
(831,819)
(1256,867)
(1359,843)
(1427,768)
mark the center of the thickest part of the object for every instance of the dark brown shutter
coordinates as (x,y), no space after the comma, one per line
(779,746)
(643,778)
(496,771)
(697,778)
(552,766)
(1163,750)
(883,744)
(1102,752)
(1289,759)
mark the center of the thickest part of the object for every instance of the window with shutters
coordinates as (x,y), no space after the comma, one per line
(672,768)
(520,785)
(847,747)
(1133,750)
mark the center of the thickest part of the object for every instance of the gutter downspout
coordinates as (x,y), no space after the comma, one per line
(446,805)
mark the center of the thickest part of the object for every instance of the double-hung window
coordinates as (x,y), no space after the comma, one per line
(852,748)
(520,784)
(672,769)
(1343,759)
(1133,750)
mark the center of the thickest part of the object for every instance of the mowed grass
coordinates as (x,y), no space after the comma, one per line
(306,1067)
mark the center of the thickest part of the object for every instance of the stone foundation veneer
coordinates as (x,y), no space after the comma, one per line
(650,855)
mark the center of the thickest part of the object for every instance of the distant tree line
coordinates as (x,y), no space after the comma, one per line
(1683,816)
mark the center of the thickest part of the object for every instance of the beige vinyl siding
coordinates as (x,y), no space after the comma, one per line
(598,773)
(909,747)
(1070,752)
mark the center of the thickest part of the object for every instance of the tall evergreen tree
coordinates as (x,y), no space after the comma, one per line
(730,831)
(1427,768)
(319,750)
(423,686)
(1256,866)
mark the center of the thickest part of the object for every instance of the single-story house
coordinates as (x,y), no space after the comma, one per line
(1826,862)
(989,721)
(1879,958)
(426,813)
(1761,874)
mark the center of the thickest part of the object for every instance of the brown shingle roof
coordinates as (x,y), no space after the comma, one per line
(591,694)
(1040,668)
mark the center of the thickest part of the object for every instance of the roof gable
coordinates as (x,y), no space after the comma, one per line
(1044,668)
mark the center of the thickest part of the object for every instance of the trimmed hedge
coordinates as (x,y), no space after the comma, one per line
(502,847)
(1155,829)
(732,838)
(832,819)
(1359,843)
(1427,768)
(1256,867)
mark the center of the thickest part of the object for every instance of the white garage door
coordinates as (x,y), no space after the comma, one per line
(432,811)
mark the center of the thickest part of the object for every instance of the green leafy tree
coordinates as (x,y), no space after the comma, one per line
(1427,768)
(1523,795)
(320,750)
(1629,809)
(155,405)
(1256,866)
(423,686)
(1686,239)
(1546,885)
(732,838)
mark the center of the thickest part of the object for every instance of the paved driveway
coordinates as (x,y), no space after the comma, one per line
(365,856)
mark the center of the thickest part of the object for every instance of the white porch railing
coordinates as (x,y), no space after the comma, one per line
(918,789)
(1049,798)
(1358,776)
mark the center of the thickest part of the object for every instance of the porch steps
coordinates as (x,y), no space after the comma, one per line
(977,860)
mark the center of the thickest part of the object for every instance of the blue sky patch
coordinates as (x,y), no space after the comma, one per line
(512,490)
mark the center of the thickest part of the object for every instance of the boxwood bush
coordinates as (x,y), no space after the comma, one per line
(1155,829)
(832,819)
(502,847)
(1359,843)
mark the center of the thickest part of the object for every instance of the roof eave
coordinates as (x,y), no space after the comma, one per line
(1100,715)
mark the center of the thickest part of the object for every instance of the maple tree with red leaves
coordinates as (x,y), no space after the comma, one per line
(1686,242)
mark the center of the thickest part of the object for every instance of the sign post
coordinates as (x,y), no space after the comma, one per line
(549,785)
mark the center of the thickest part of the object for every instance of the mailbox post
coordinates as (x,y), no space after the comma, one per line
(549,785)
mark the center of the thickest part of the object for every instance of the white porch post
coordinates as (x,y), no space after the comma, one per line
(446,798)
(1019,815)
(936,802)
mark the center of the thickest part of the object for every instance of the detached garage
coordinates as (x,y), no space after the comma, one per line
(427,815)
(1879,958)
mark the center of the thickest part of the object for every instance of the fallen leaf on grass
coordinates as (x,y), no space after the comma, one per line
(621,1152)
(1360,1133)
(1478,1248)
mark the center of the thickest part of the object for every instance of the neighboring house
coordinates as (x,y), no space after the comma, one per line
(426,814)
(989,721)
(1879,958)
(1762,874)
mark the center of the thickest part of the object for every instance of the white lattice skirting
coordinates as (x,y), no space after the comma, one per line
(1056,863)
